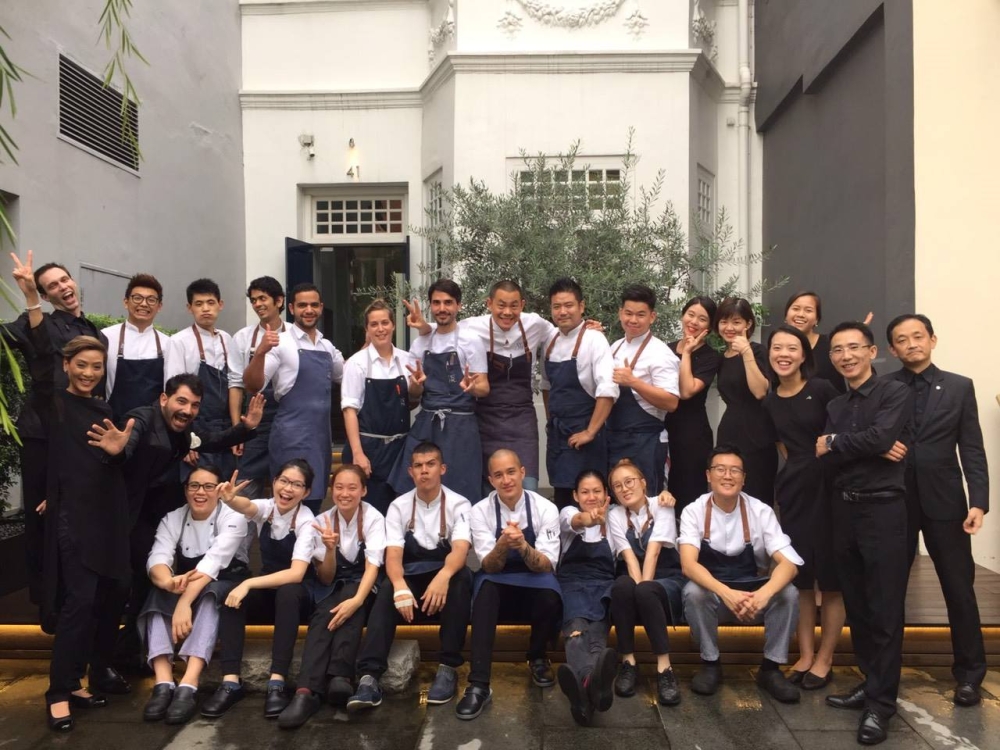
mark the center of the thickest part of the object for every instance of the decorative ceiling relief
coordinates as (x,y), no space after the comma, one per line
(441,33)
(636,23)
(510,24)
(571,16)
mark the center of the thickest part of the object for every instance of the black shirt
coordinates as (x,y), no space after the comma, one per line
(868,422)
(744,423)
(824,365)
(690,416)
(920,384)
(799,419)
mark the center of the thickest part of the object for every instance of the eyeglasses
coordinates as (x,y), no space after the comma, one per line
(138,299)
(839,351)
(207,486)
(294,484)
(733,471)
(625,484)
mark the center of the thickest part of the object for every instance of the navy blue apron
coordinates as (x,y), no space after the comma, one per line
(254,463)
(383,421)
(515,572)
(570,410)
(138,382)
(634,434)
(214,414)
(418,559)
(668,563)
(507,416)
(302,425)
(586,574)
(347,571)
(276,554)
(736,571)
(447,418)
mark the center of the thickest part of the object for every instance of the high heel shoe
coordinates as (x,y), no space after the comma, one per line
(62,724)
(87,701)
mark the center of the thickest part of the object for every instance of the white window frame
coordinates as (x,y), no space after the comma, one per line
(307,214)
(582,164)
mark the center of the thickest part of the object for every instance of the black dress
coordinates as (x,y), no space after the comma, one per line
(745,425)
(824,365)
(801,486)
(690,433)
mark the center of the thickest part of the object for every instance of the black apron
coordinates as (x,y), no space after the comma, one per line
(736,571)
(138,382)
(668,563)
(348,571)
(418,559)
(586,575)
(276,554)
(214,414)
(254,463)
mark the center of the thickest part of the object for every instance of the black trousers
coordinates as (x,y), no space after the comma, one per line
(285,606)
(384,617)
(34,457)
(88,622)
(646,603)
(542,608)
(585,641)
(950,549)
(329,653)
(870,548)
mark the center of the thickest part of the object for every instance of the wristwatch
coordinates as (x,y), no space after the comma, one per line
(829,441)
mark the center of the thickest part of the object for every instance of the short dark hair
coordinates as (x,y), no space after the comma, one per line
(639,293)
(724,449)
(445,286)
(899,319)
(305,286)
(302,465)
(188,379)
(565,284)
(706,302)
(210,468)
(853,325)
(807,293)
(506,285)
(39,272)
(736,307)
(203,286)
(146,281)
(587,473)
(426,446)
(80,344)
(270,286)
(808,367)
(354,469)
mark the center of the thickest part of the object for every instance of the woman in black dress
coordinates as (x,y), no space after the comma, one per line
(797,407)
(743,384)
(688,430)
(804,311)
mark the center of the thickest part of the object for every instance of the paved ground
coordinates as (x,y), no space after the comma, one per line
(523,717)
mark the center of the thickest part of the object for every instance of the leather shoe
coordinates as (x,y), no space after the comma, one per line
(473,702)
(873,728)
(338,691)
(62,724)
(87,701)
(108,680)
(302,706)
(773,682)
(602,680)
(541,673)
(580,706)
(707,679)
(854,699)
(967,694)
(183,707)
(159,701)
(795,676)
(225,697)
(811,681)
(277,700)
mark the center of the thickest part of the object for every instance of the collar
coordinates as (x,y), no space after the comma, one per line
(736,508)
(928,374)
(130,327)
(517,506)
(865,388)
(432,504)
(68,318)
(206,331)
(575,332)
(299,334)
(373,355)
(639,513)
(343,521)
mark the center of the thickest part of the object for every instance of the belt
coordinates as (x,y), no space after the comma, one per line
(384,438)
(870,497)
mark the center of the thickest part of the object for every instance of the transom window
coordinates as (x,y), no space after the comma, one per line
(340,216)
(705,210)
(587,188)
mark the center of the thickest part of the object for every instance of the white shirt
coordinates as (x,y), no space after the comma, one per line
(199,538)
(281,364)
(590,534)
(245,346)
(427,524)
(544,517)
(657,365)
(184,356)
(466,343)
(306,538)
(358,367)
(594,363)
(509,343)
(664,525)
(727,530)
(138,345)
(348,544)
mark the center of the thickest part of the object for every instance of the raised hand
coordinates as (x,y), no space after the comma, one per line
(362,461)
(268,342)
(666,500)
(109,438)
(24,274)
(623,376)
(689,343)
(255,411)
(868,318)
(741,345)
(414,317)
(327,535)
(468,381)
(228,491)
(417,374)
(597,515)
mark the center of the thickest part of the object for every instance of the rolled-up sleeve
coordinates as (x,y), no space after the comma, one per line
(664,526)
(353,388)
(232,531)
(691,529)
(461,530)
(483,529)
(374,536)
(617,529)
(776,540)
(547,533)
(395,529)
(604,368)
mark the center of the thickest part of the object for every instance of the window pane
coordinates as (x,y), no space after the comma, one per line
(322,205)
(352,217)
(338,205)
(366,215)
(322,229)
(352,229)
(352,205)
(366,205)
(380,204)
(366,229)
(322,217)
(396,204)
(381,228)
(338,218)
(396,228)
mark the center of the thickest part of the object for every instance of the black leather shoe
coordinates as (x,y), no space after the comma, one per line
(338,691)
(967,694)
(773,682)
(225,697)
(873,729)
(854,699)
(541,673)
(628,675)
(63,724)
(473,702)
(159,701)
(277,700)
(183,707)
(667,692)
(795,676)
(300,709)
(602,680)
(108,680)
(87,701)
(707,680)
(580,706)
(811,681)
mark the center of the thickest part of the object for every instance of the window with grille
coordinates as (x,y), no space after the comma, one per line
(358,216)
(435,201)
(90,115)
(588,189)
(705,211)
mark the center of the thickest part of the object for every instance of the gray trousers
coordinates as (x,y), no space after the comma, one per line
(705,611)
(200,641)
(583,650)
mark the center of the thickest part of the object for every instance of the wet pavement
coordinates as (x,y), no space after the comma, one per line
(523,717)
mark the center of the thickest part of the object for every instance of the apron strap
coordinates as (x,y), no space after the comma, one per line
(201,348)
(637,354)
(524,340)
(361,525)
(253,339)
(295,515)
(743,518)
(646,524)
(576,348)
(708,520)
(156,338)
(413,515)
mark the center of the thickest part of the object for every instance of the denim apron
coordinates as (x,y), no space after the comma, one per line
(138,382)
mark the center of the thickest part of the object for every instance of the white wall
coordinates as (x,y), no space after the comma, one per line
(956,155)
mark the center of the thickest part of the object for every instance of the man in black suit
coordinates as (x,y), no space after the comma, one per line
(945,417)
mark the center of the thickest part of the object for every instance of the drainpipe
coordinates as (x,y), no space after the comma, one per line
(743,134)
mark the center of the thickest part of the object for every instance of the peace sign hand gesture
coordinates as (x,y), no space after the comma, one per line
(469,380)
(417,374)
(228,491)
(24,275)
(327,535)
(414,317)
(597,515)
(109,438)
(689,343)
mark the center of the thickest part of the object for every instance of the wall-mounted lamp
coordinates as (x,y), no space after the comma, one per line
(307,142)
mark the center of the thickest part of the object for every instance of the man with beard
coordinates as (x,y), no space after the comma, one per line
(302,366)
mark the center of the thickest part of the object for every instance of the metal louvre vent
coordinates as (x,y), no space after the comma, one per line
(90,114)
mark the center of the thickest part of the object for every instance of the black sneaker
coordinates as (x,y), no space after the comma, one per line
(580,706)
(368,695)
(707,679)
(541,673)
(625,682)
(225,697)
(667,692)
(777,686)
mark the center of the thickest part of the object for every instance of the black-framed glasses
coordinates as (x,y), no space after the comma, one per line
(207,486)
(733,471)
(138,299)
(293,483)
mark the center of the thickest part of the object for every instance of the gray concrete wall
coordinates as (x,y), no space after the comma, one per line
(835,104)
(183,216)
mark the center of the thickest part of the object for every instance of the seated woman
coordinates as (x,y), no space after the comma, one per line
(649,583)
(586,572)
(279,594)
(197,558)
(352,534)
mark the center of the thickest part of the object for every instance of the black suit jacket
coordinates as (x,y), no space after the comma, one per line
(949,430)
